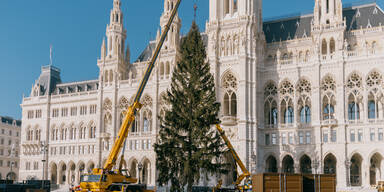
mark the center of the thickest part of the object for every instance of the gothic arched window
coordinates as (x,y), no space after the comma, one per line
(229,84)
(288,115)
(305,114)
(270,110)
(332,46)
(328,89)
(324,47)
(353,111)
(371,109)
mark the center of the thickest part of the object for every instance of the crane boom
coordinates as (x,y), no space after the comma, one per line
(130,116)
(235,156)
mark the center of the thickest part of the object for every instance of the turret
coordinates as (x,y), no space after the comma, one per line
(173,38)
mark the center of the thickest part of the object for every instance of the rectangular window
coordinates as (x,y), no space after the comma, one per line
(284,138)
(17,134)
(267,139)
(1,163)
(290,138)
(92,109)
(31,114)
(83,110)
(10,132)
(380,135)
(38,113)
(301,137)
(55,112)
(9,142)
(333,135)
(1,151)
(372,135)
(274,139)
(325,136)
(73,111)
(360,135)
(144,144)
(352,136)
(64,112)
(308,137)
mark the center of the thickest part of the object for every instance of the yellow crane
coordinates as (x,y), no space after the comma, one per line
(245,175)
(106,179)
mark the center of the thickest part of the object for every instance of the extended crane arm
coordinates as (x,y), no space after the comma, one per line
(235,156)
(130,116)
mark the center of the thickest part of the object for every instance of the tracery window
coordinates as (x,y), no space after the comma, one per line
(305,114)
(375,96)
(270,109)
(304,102)
(229,84)
(328,89)
(286,91)
(354,86)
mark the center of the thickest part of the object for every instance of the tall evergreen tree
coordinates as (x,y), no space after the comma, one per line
(188,145)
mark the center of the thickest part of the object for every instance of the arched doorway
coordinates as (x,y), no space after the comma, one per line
(11,176)
(305,165)
(374,168)
(80,170)
(355,170)
(271,165)
(133,169)
(288,164)
(62,175)
(53,170)
(330,164)
(71,173)
(146,173)
(90,167)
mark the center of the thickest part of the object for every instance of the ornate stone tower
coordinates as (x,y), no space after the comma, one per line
(235,51)
(328,28)
(113,63)
(172,41)
(169,52)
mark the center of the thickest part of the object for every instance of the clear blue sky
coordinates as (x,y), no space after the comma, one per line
(76,28)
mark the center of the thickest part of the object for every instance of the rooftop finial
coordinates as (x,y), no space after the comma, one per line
(195,10)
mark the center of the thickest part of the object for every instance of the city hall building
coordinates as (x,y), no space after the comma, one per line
(298,94)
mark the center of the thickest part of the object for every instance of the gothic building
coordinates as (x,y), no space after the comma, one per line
(299,94)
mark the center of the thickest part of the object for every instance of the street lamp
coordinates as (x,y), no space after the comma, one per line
(140,166)
(43,150)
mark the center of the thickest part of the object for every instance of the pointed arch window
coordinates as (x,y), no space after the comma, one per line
(229,84)
(371,109)
(288,115)
(328,112)
(324,47)
(305,114)
(353,111)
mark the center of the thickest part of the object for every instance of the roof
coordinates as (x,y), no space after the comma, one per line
(49,77)
(76,87)
(290,27)
(10,121)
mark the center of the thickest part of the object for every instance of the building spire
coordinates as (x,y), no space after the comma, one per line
(50,55)
(195,10)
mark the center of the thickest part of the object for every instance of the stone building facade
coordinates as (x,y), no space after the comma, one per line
(9,148)
(299,94)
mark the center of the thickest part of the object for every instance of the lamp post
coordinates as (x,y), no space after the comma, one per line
(140,166)
(43,150)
